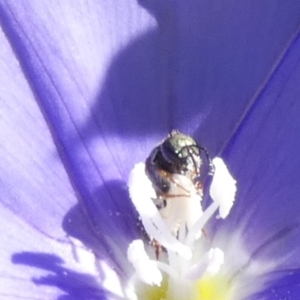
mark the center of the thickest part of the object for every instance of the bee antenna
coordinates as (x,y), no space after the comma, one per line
(211,165)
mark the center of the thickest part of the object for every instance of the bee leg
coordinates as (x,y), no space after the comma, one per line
(168,196)
(157,248)
(159,203)
(162,205)
(157,251)
(171,179)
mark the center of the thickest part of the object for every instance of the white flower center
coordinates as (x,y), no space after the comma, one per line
(178,228)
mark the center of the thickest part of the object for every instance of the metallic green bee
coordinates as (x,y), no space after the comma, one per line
(177,154)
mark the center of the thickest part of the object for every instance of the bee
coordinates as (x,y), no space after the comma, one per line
(173,168)
(177,154)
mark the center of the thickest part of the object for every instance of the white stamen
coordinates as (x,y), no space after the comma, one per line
(178,225)
(192,235)
(141,194)
(197,271)
(216,257)
(210,263)
(222,191)
(145,268)
(223,187)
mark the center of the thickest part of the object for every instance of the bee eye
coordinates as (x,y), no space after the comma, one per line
(170,153)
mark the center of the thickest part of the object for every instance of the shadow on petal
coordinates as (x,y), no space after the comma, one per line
(192,72)
(78,286)
(108,232)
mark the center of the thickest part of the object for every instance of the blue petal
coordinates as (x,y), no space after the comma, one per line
(264,156)
(107,78)
(35,189)
(283,287)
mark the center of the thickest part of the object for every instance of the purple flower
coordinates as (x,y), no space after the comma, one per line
(88,89)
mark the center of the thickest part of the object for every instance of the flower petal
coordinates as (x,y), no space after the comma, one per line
(35,196)
(66,66)
(220,56)
(283,287)
(65,93)
(264,157)
(27,177)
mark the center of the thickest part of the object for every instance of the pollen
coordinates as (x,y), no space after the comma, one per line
(213,288)
(209,287)
(147,292)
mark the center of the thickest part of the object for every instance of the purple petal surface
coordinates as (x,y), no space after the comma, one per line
(264,151)
(264,157)
(110,81)
(35,193)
